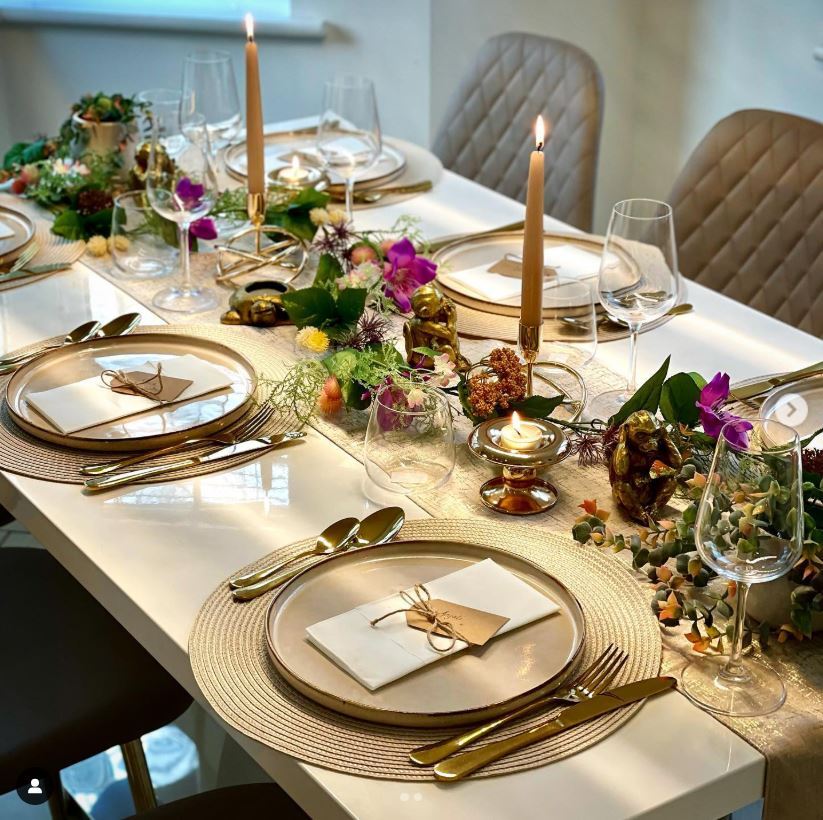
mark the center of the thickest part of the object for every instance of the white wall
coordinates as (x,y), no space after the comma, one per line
(671,69)
(44,69)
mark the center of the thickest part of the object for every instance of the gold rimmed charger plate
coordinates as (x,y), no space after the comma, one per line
(159,427)
(463,254)
(280,146)
(23,233)
(473,685)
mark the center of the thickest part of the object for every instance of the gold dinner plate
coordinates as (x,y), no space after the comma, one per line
(281,146)
(155,428)
(485,250)
(23,233)
(473,685)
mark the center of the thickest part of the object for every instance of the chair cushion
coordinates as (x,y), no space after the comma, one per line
(256,800)
(748,213)
(487,132)
(73,681)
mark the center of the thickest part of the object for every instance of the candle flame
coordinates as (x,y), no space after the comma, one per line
(249,26)
(516,423)
(539,133)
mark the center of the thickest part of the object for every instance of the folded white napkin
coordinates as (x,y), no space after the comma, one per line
(377,655)
(5,231)
(88,403)
(493,287)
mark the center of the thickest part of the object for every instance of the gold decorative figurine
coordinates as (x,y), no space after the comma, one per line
(259,304)
(644,465)
(434,325)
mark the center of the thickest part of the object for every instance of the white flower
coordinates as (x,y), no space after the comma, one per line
(415,397)
(80,169)
(97,246)
(362,276)
(61,167)
(444,370)
(319,216)
(336,216)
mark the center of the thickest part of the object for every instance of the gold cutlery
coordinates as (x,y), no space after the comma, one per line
(605,319)
(119,326)
(247,430)
(80,334)
(378,528)
(372,195)
(459,766)
(591,682)
(749,391)
(330,541)
(25,257)
(439,244)
(262,445)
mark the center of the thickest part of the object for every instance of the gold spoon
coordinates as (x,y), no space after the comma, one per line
(331,540)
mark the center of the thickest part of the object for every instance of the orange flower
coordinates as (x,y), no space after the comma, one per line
(589,506)
(330,400)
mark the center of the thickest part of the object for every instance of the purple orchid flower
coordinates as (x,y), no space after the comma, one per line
(188,193)
(716,420)
(203,228)
(404,272)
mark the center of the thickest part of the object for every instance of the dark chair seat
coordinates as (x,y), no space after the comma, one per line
(256,800)
(74,683)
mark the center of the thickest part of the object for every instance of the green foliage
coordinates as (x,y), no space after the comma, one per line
(24,153)
(360,371)
(328,269)
(537,407)
(74,225)
(647,396)
(318,307)
(677,399)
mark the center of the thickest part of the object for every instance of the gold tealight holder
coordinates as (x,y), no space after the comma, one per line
(298,174)
(519,490)
(259,246)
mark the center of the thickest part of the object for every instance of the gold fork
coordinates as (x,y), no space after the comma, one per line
(25,257)
(590,682)
(245,431)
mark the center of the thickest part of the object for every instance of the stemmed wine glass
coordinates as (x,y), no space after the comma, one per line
(348,135)
(210,89)
(638,279)
(182,189)
(749,529)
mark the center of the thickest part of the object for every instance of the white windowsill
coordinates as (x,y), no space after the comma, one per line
(297,28)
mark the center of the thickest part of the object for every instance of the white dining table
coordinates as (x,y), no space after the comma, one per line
(152,554)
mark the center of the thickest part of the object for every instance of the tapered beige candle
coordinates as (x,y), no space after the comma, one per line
(531,299)
(254,116)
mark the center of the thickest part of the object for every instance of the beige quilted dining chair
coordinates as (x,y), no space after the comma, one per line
(748,214)
(488,127)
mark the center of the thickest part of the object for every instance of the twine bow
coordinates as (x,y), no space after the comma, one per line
(150,388)
(421,604)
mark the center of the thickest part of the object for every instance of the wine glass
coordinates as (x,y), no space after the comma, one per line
(749,529)
(164,106)
(409,444)
(348,135)
(210,88)
(638,281)
(182,189)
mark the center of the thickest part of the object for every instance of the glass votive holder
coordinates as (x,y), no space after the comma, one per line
(409,444)
(143,244)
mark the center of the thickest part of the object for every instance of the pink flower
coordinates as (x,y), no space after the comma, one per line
(204,228)
(714,419)
(404,272)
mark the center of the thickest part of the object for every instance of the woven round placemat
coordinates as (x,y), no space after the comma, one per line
(227,649)
(52,249)
(26,455)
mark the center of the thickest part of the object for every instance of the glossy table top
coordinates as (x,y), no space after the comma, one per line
(152,554)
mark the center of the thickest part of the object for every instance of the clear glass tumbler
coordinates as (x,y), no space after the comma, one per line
(143,244)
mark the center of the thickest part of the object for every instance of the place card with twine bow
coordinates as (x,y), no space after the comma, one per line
(446,619)
(156,386)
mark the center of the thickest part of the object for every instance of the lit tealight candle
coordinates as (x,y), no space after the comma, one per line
(294,173)
(520,435)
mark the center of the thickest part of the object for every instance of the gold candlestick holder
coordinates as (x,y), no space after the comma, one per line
(259,246)
(519,490)
(529,338)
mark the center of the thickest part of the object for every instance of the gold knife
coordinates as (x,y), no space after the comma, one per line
(749,391)
(457,767)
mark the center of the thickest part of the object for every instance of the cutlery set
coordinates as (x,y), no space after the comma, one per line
(348,533)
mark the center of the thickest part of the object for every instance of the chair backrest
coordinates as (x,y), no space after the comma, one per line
(488,128)
(748,214)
